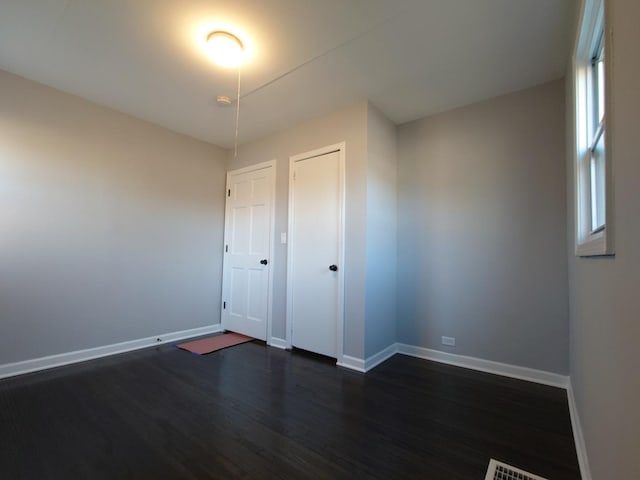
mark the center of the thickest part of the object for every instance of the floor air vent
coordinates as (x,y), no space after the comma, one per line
(502,471)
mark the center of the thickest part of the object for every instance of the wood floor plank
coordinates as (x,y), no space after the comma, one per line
(252,411)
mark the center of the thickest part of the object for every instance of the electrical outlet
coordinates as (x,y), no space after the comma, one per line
(450,341)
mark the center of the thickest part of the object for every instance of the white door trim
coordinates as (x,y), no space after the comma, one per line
(338,147)
(272,228)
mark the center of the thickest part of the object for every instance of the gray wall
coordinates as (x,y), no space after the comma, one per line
(110,227)
(482,230)
(346,125)
(605,292)
(382,165)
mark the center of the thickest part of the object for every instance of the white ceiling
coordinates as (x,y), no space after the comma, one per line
(411,58)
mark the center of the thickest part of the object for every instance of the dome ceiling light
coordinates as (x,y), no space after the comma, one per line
(225,49)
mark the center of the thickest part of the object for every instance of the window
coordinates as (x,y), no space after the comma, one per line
(593,221)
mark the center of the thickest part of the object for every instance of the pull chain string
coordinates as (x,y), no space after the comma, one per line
(235,147)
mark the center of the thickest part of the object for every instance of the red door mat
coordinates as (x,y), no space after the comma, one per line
(216,342)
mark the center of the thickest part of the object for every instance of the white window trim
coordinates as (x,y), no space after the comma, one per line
(588,243)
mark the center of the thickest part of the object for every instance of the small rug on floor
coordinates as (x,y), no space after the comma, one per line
(216,342)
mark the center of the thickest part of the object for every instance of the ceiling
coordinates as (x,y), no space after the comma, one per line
(410,58)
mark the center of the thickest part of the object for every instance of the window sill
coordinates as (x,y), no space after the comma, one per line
(595,245)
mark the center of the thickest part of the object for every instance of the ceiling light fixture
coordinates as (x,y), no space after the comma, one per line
(225,49)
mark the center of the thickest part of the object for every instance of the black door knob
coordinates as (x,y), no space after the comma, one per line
(264,261)
(333,268)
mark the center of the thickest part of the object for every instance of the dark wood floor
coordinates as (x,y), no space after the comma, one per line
(257,412)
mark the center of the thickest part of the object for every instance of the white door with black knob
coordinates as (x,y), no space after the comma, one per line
(315,274)
(247,255)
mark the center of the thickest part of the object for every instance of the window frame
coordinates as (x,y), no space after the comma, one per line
(590,239)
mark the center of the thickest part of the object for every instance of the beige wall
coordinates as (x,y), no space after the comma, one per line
(347,125)
(605,292)
(382,209)
(482,230)
(110,227)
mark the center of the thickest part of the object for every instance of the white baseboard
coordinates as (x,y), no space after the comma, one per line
(352,363)
(373,361)
(489,366)
(376,359)
(578,438)
(42,363)
(278,343)
(473,363)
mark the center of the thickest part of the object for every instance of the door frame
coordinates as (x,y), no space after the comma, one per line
(338,147)
(272,228)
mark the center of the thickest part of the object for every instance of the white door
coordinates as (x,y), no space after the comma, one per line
(315,249)
(247,256)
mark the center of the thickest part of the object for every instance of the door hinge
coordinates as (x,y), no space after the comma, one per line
(226,248)
(229,193)
(224,305)
(294,175)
